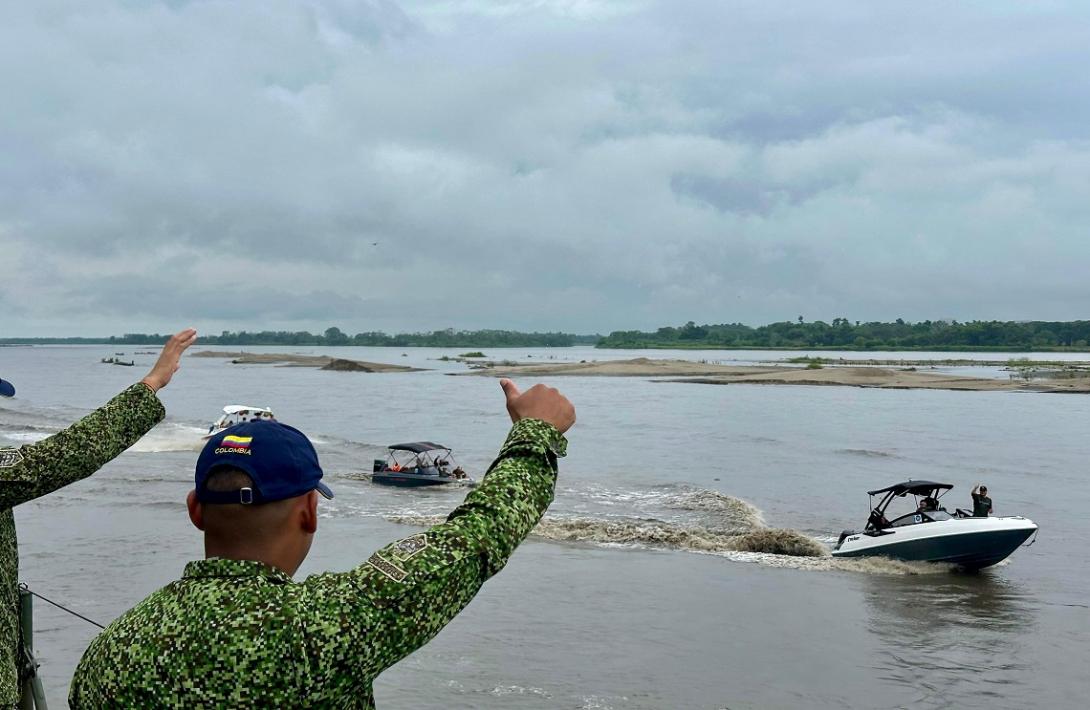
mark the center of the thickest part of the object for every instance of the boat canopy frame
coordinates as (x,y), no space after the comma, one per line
(418,447)
(424,455)
(913,487)
(927,489)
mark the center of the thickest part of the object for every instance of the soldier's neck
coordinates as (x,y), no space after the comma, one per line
(273,557)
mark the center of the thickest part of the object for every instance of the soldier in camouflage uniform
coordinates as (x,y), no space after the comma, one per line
(34,470)
(236,631)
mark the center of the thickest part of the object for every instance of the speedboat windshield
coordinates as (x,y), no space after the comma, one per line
(238,414)
(920,516)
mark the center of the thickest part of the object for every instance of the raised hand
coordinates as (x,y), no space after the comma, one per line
(167,364)
(539,402)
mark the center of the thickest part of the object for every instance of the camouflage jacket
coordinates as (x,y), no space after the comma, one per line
(236,633)
(37,469)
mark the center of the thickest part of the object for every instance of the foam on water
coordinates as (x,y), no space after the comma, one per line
(656,534)
(170,436)
(502,690)
(726,510)
(18,428)
(728,527)
(23,436)
(178,436)
(868,453)
(37,423)
(827,563)
(741,512)
(780,542)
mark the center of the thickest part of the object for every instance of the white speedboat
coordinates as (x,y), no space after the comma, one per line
(930,533)
(237,414)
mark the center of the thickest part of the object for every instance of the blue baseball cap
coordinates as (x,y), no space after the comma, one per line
(280,459)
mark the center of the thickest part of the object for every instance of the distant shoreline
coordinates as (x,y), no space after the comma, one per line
(33,342)
(798,335)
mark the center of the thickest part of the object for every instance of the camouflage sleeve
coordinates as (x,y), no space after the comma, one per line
(501,512)
(408,591)
(78,451)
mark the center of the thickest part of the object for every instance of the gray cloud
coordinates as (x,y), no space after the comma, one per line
(539,163)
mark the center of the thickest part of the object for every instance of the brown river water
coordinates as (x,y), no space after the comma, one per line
(683,564)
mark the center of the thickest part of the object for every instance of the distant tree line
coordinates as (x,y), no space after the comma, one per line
(844,334)
(334,336)
(840,334)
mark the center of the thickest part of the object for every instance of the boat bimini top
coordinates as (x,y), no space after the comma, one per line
(913,487)
(425,454)
(928,491)
(418,447)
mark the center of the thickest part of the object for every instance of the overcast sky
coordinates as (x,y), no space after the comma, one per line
(583,165)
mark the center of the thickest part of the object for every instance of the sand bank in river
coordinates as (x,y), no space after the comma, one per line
(320,361)
(712,374)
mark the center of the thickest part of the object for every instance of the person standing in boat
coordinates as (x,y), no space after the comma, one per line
(33,470)
(237,631)
(982,504)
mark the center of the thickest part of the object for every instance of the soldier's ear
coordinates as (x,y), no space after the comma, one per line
(196,510)
(309,513)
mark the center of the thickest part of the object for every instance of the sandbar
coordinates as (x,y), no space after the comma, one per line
(715,374)
(323,362)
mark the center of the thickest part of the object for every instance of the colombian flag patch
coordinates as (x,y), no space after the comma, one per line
(237,442)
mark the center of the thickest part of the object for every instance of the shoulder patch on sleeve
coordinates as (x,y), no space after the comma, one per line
(408,548)
(10,458)
(387,568)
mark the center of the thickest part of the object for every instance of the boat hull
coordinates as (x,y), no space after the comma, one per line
(970,543)
(409,480)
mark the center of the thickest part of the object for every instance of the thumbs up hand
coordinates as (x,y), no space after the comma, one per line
(539,402)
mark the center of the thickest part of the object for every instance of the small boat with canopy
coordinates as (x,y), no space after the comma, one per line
(416,464)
